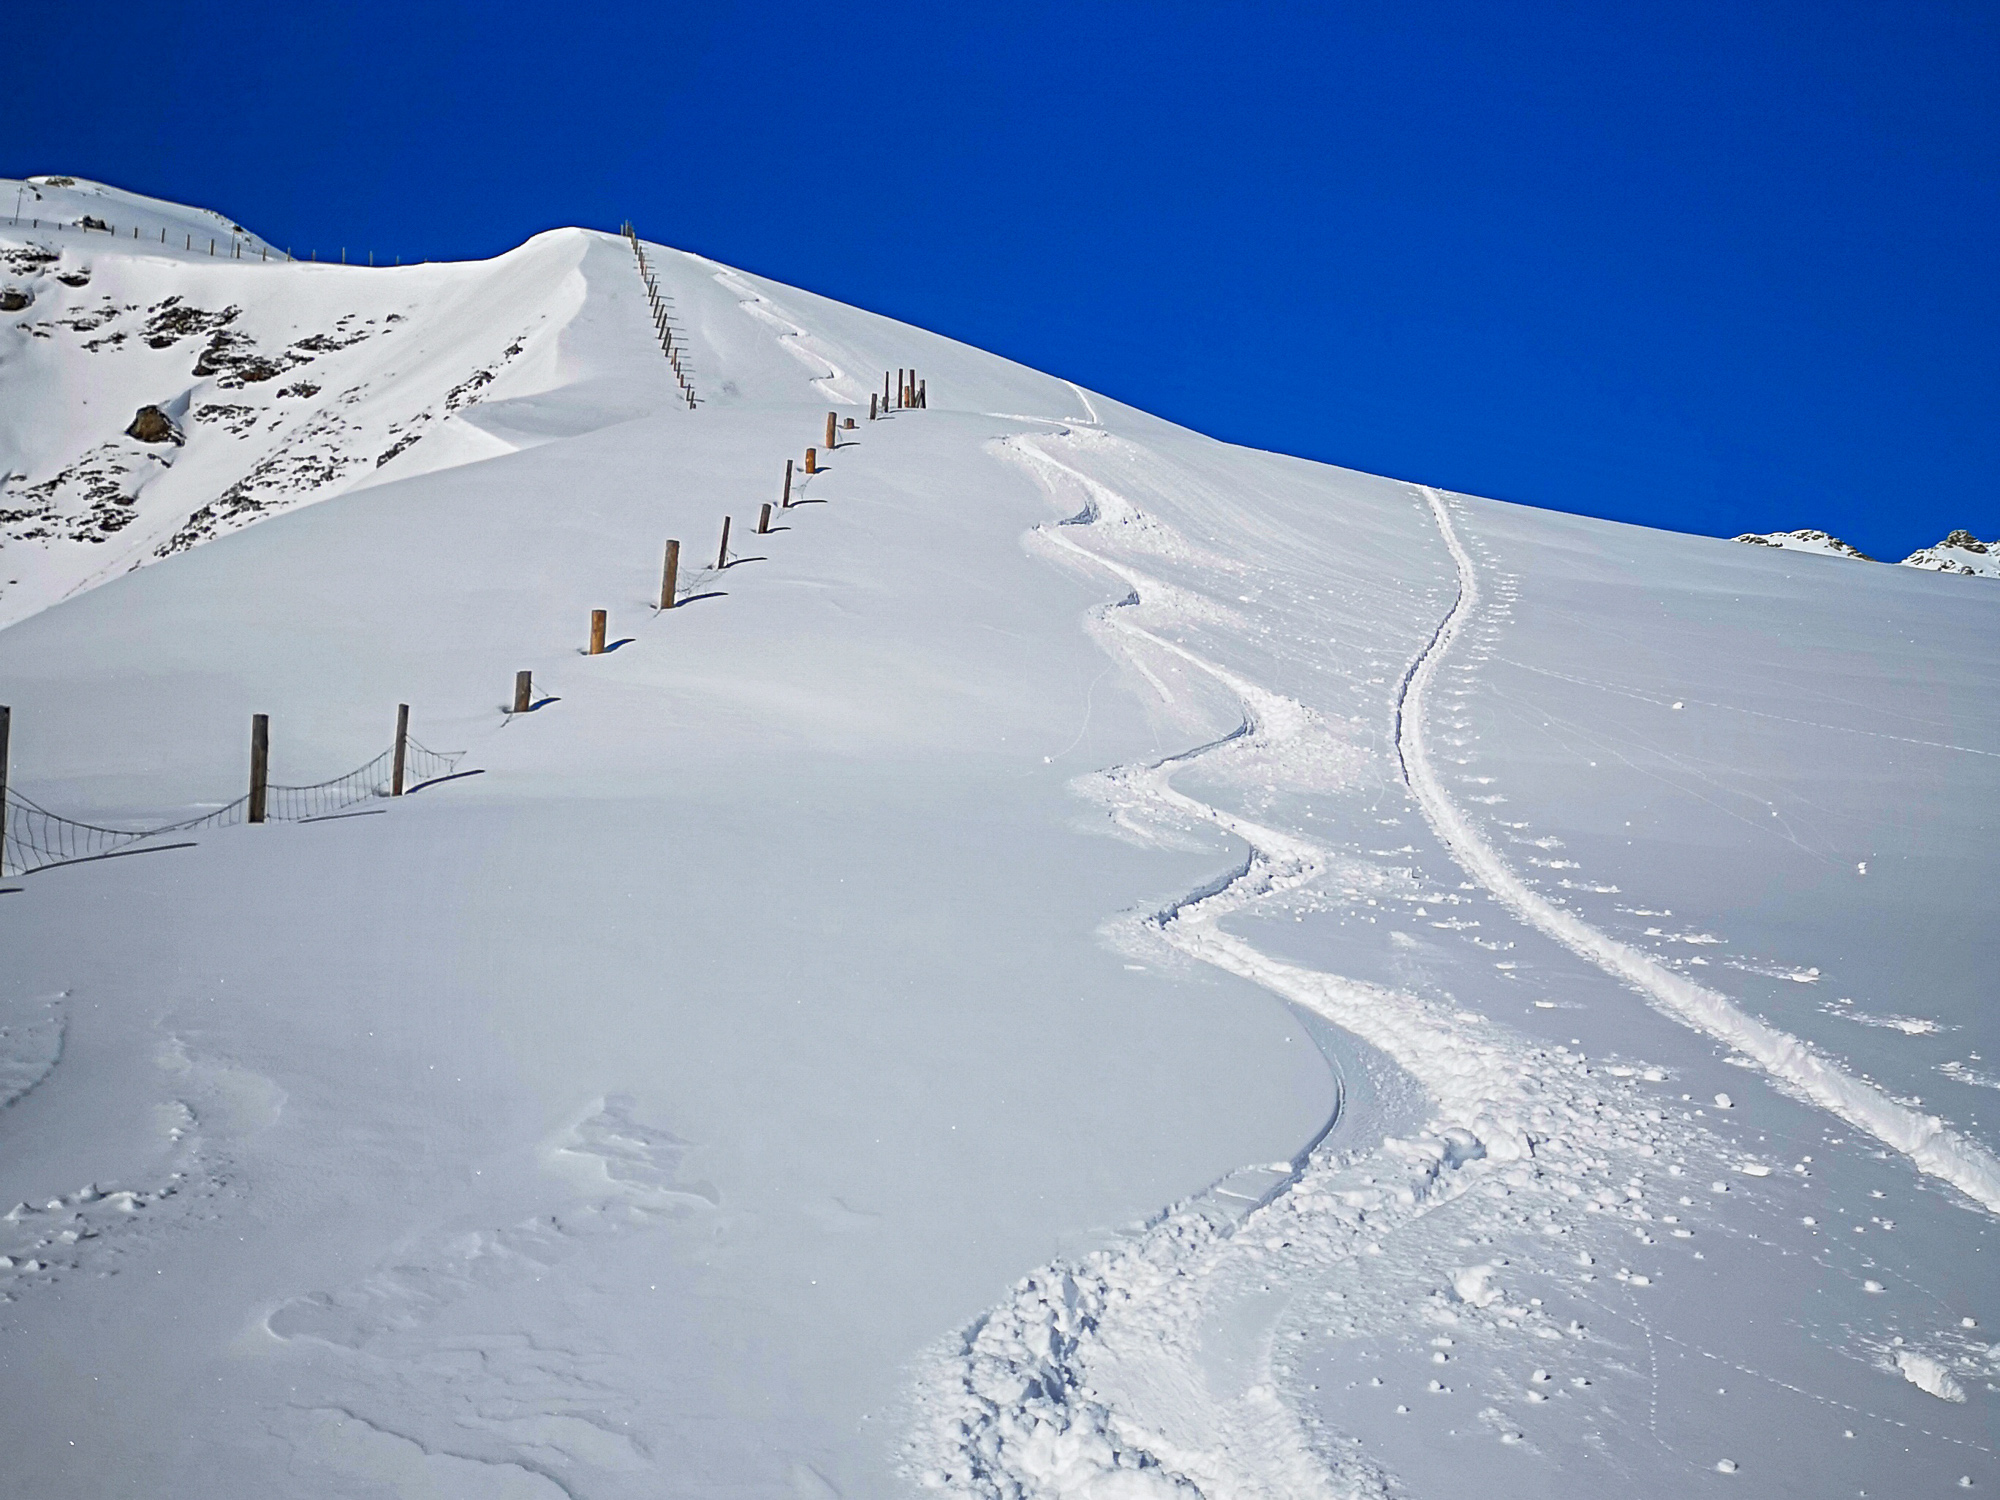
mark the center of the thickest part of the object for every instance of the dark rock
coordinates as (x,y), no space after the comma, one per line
(153,426)
(90,223)
(1964,539)
(13,300)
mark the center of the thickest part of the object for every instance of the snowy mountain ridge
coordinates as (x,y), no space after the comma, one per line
(1960,552)
(1078,961)
(279,384)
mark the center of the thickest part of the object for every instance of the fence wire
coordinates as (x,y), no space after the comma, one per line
(35,838)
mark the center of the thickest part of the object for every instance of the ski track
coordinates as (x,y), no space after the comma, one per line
(1924,1139)
(791,336)
(1092,1380)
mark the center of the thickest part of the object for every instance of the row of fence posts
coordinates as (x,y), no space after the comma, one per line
(260,752)
(663,321)
(235,246)
(910,393)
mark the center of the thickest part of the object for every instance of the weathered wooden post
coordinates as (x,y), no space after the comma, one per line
(812,461)
(871,406)
(885,390)
(402,749)
(832,440)
(597,632)
(847,423)
(722,552)
(260,764)
(524,691)
(899,388)
(788,485)
(670,577)
(764,519)
(923,395)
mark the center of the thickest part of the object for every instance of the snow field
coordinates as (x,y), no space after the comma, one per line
(676,1107)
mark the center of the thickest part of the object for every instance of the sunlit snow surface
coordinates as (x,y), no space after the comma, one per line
(1088,963)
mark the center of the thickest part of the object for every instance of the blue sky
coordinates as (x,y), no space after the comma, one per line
(1711,267)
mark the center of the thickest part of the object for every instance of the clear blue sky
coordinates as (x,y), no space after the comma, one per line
(1713,267)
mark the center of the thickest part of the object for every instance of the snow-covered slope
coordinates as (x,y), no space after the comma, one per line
(1085,962)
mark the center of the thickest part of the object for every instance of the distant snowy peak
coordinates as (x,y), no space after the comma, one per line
(1805,541)
(1961,552)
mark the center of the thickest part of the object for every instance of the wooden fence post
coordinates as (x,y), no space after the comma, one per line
(402,749)
(788,485)
(670,578)
(899,387)
(6,718)
(524,691)
(764,519)
(885,391)
(871,406)
(722,552)
(832,440)
(923,395)
(812,461)
(260,764)
(597,632)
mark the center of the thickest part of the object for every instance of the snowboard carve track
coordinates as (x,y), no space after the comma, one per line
(1924,1139)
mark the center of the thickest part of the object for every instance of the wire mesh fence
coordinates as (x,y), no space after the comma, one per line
(33,838)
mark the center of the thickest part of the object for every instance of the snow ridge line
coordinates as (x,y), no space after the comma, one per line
(1924,1139)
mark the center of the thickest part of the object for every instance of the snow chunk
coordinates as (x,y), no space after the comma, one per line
(1927,1374)
(1474,1286)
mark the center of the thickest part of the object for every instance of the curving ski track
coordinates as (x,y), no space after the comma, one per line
(1924,1139)
(1092,1381)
